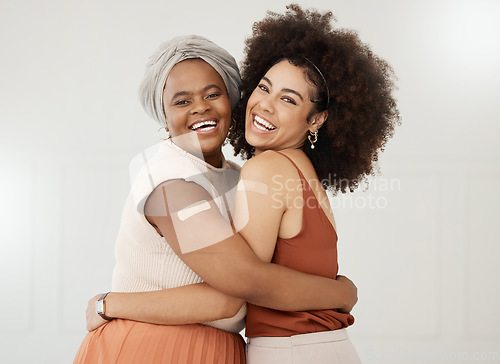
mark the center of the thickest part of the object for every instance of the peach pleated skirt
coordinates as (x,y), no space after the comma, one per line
(131,342)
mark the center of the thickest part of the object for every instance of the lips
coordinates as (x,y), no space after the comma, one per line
(205,125)
(262,124)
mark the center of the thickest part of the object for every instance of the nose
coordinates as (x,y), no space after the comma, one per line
(200,106)
(266,104)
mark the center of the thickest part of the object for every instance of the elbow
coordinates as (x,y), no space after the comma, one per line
(261,285)
(245,284)
(350,298)
(248,289)
(231,307)
(248,281)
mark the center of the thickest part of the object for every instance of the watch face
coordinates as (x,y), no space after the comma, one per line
(98,307)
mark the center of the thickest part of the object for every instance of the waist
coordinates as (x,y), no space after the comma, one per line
(261,321)
(302,339)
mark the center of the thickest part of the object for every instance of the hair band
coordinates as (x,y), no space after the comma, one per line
(324,80)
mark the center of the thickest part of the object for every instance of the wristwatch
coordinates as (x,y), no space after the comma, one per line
(100,307)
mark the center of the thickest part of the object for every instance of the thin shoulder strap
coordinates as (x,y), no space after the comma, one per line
(296,167)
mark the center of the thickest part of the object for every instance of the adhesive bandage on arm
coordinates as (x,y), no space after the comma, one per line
(199,226)
(193,209)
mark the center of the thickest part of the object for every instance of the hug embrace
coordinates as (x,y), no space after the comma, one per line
(205,248)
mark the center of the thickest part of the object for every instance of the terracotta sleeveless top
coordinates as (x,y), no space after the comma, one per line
(313,250)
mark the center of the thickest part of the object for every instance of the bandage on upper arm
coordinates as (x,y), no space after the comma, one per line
(193,216)
(193,209)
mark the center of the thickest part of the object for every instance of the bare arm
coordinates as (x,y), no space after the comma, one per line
(206,243)
(175,306)
(226,262)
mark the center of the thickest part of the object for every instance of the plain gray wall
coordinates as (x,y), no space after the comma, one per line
(421,243)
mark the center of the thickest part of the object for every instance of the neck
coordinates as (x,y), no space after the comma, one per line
(185,142)
(215,160)
(298,146)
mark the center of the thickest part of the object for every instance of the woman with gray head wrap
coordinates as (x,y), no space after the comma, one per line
(190,87)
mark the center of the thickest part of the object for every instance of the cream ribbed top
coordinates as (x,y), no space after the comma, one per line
(144,259)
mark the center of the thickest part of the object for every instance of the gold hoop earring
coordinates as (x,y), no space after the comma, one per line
(166,131)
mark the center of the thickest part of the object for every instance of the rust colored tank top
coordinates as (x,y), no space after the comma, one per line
(313,250)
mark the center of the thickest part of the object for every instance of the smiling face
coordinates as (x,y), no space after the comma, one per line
(277,110)
(195,101)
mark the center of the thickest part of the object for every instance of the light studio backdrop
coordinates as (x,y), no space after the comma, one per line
(421,242)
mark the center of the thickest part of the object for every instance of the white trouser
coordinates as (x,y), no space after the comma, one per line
(330,347)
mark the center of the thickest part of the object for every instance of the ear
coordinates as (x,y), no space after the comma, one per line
(167,124)
(318,120)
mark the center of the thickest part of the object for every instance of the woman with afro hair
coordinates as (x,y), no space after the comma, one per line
(318,108)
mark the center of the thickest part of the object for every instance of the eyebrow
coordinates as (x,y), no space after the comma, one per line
(211,86)
(184,93)
(177,94)
(289,90)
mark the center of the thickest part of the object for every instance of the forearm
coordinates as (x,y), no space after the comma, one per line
(242,274)
(289,290)
(229,265)
(196,303)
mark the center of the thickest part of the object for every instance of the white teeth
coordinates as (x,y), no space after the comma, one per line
(260,127)
(263,124)
(203,123)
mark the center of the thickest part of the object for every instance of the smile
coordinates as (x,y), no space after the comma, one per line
(204,125)
(262,124)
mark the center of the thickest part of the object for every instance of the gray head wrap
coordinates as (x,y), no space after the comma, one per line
(179,49)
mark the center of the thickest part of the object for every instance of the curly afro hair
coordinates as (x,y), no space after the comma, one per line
(353,84)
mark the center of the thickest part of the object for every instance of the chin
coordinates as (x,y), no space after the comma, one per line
(210,147)
(255,142)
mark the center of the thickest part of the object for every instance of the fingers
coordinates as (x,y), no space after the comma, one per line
(94,323)
(93,319)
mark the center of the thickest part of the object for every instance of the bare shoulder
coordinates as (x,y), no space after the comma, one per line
(266,165)
(177,194)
